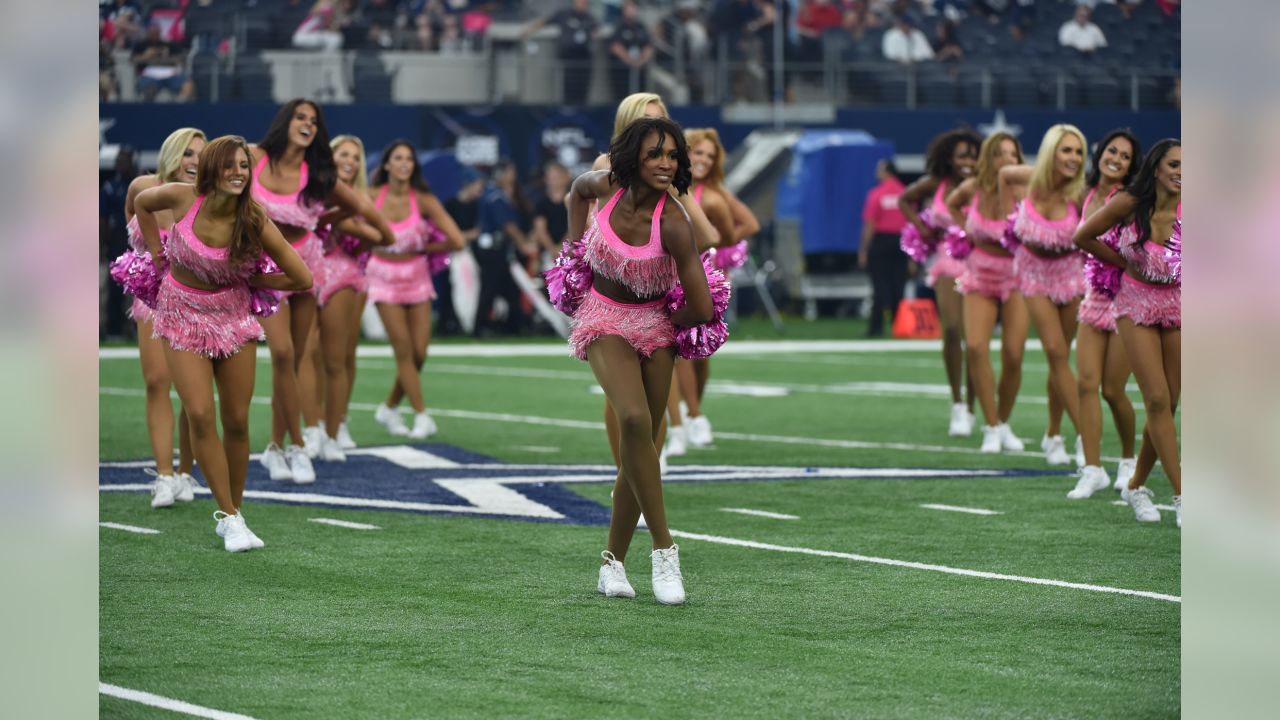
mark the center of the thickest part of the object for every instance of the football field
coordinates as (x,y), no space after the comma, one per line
(842,555)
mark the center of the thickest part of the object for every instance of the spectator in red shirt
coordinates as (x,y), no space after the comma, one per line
(815,18)
(879,253)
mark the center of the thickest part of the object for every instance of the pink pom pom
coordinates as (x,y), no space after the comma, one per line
(138,276)
(956,243)
(701,341)
(267,266)
(1104,277)
(570,278)
(263,302)
(438,261)
(728,258)
(350,245)
(1010,239)
(1173,251)
(432,234)
(915,246)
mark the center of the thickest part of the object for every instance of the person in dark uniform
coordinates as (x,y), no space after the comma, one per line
(879,253)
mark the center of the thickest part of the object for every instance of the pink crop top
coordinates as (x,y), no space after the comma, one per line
(137,242)
(286,209)
(1150,260)
(981,229)
(647,270)
(1049,235)
(209,264)
(410,232)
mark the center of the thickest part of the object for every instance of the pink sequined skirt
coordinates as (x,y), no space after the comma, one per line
(401,281)
(1098,311)
(1061,279)
(139,312)
(341,271)
(311,249)
(943,265)
(646,327)
(987,274)
(1147,304)
(212,323)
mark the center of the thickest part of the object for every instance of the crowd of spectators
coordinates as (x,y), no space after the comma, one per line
(156,44)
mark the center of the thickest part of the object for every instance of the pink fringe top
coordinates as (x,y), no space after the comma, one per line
(137,242)
(646,270)
(1050,235)
(981,229)
(186,250)
(286,209)
(1149,259)
(411,235)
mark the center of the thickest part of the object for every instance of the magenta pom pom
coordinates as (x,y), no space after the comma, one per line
(350,245)
(728,258)
(1173,251)
(263,302)
(432,234)
(1010,239)
(915,246)
(138,275)
(267,266)
(956,243)
(570,278)
(1104,277)
(700,341)
(438,261)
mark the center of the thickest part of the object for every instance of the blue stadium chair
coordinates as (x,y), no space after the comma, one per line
(372,82)
(252,80)
(1103,91)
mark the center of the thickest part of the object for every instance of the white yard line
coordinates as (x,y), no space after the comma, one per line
(955,508)
(159,701)
(761,513)
(536,448)
(344,524)
(1168,508)
(129,528)
(924,566)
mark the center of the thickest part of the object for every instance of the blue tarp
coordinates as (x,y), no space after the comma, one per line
(831,173)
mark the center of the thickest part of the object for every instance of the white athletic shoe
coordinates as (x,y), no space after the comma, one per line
(668,583)
(423,426)
(300,468)
(1008,441)
(312,439)
(391,420)
(662,461)
(990,439)
(1092,479)
(1124,472)
(677,441)
(254,540)
(234,533)
(1144,509)
(698,430)
(684,412)
(1055,450)
(613,578)
(331,451)
(163,489)
(1080,461)
(185,486)
(1177,508)
(961,421)
(277,465)
(345,441)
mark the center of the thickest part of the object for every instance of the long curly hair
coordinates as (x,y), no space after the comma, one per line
(246,233)
(1143,187)
(938,163)
(1095,161)
(322,173)
(624,153)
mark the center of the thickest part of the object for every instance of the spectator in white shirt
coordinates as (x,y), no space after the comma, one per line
(1081,34)
(905,43)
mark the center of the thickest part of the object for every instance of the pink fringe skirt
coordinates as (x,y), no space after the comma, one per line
(139,312)
(1098,311)
(1061,279)
(987,274)
(1148,304)
(211,323)
(404,281)
(943,265)
(646,327)
(311,248)
(341,271)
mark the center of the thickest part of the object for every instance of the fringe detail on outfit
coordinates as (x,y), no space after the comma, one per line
(341,271)
(1061,279)
(943,265)
(646,327)
(645,277)
(987,275)
(291,212)
(696,342)
(1098,311)
(400,282)
(211,323)
(1150,305)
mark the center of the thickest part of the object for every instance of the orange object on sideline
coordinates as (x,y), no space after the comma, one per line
(916,320)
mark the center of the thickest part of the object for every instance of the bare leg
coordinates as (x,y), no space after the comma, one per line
(155,376)
(302,321)
(687,380)
(1091,356)
(979,322)
(673,401)
(702,372)
(335,326)
(951,317)
(419,317)
(1056,337)
(186,457)
(285,403)
(396,320)
(1115,375)
(353,342)
(311,379)
(193,378)
(1013,344)
(235,391)
(1156,355)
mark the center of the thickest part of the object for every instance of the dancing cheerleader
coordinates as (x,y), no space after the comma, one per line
(203,312)
(1148,307)
(294,180)
(1049,268)
(949,161)
(990,290)
(1100,357)
(639,245)
(179,158)
(399,275)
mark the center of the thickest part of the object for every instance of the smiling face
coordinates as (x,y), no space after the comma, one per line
(302,126)
(1068,158)
(1117,158)
(1169,174)
(703,157)
(401,163)
(658,161)
(964,158)
(1008,154)
(234,177)
(347,158)
(190,160)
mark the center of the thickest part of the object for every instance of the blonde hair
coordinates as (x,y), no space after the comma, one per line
(1042,180)
(362,176)
(171,152)
(693,136)
(632,108)
(986,173)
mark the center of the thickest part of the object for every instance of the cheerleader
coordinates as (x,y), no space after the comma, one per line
(179,158)
(949,161)
(1100,358)
(1148,307)
(990,291)
(294,180)
(640,244)
(203,312)
(1049,268)
(400,278)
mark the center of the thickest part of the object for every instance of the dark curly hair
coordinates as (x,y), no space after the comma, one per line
(1095,168)
(415,178)
(1143,187)
(625,151)
(322,172)
(938,162)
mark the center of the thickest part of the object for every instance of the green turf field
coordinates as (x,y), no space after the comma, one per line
(451,616)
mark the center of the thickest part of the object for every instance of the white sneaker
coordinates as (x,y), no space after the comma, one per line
(990,439)
(300,468)
(1055,450)
(613,578)
(254,540)
(1080,461)
(331,451)
(961,421)
(163,489)
(677,441)
(1177,508)
(668,583)
(1008,441)
(185,486)
(391,420)
(312,440)
(662,461)
(345,441)
(684,412)
(1144,509)
(1124,473)
(1092,479)
(698,431)
(234,533)
(423,426)
(277,465)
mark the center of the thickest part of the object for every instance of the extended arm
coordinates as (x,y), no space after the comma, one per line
(435,212)
(294,276)
(1111,214)
(959,198)
(677,238)
(910,199)
(356,203)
